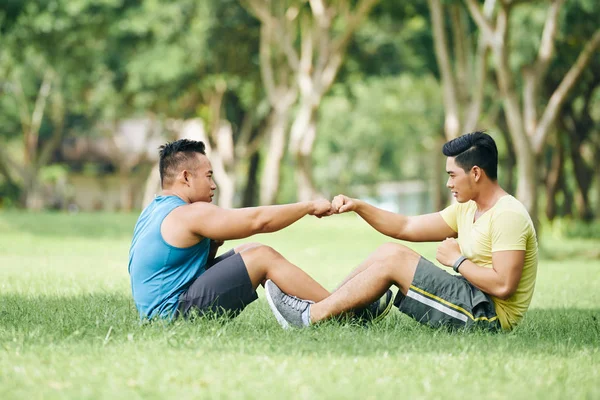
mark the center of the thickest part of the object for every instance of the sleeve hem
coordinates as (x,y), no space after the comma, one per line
(509,248)
(445,218)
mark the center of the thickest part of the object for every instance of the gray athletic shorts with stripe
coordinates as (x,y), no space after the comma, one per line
(437,298)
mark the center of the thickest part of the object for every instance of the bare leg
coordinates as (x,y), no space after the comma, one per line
(246,246)
(264,263)
(395,265)
(377,255)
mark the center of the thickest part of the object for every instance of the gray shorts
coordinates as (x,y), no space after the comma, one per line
(437,298)
(224,289)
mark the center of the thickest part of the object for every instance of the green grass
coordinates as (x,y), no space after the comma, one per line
(68,327)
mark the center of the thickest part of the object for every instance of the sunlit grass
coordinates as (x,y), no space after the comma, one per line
(68,328)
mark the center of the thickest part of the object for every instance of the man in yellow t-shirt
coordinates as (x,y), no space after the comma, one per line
(487,237)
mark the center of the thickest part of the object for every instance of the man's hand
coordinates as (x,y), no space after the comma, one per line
(216,243)
(448,252)
(214,246)
(342,204)
(321,208)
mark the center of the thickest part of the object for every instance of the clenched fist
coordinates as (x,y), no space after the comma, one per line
(448,252)
(321,208)
(342,204)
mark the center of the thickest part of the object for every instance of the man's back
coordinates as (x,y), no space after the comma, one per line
(159,271)
(506,226)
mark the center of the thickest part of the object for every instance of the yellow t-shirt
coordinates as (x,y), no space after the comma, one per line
(505,226)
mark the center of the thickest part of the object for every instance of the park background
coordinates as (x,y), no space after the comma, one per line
(295,100)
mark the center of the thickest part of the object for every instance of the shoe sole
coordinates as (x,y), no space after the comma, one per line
(284,324)
(385,312)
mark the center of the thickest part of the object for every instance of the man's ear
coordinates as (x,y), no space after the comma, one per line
(183,177)
(477,173)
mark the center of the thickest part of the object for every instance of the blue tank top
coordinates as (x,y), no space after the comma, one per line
(160,272)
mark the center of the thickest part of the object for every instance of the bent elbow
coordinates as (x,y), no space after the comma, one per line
(505,292)
(260,225)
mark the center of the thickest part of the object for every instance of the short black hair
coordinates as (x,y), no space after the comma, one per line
(173,155)
(476,148)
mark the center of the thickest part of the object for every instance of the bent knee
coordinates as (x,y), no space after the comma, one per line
(259,253)
(247,246)
(396,253)
(391,249)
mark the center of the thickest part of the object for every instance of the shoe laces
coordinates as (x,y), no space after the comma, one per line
(294,302)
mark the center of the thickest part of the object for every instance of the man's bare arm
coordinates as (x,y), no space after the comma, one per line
(420,228)
(208,220)
(502,279)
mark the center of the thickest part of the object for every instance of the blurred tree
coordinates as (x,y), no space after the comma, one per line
(45,47)
(314,37)
(579,119)
(514,51)
(463,72)
(383,119)
(172,70)
(378,130)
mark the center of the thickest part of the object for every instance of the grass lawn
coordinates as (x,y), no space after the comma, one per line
(68,327)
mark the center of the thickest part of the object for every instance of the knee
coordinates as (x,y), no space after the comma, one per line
(247,246)
(391,250)
(260,254)
(395,254)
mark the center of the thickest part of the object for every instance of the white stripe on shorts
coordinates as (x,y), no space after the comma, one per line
(440,307)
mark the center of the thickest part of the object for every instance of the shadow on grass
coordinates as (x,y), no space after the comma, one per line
(100,319)
(80,225)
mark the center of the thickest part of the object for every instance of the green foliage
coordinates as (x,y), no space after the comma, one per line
(394,40)
(114,59)
(575,229)
(381,124)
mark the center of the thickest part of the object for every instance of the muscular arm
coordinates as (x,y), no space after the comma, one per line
(201,219)
(502,279)
(420,228)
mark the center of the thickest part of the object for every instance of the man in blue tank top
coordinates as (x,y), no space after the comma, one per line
(171,260)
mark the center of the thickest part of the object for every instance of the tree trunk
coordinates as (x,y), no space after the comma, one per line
(527,178)
(508,176)
(269,185)
(226,189)
(554,179)
(597,162)
(33,198)
(567,207)
(152,187)
(251,190)
(583,178)
(305,122)
(125,195)
(437,178)
(451,102)
(224,178)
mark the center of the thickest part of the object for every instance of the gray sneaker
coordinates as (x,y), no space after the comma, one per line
(287,309)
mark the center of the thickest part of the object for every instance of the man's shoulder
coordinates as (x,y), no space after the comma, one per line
(188,214)
(197,207)
(509,210)
(510,203)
